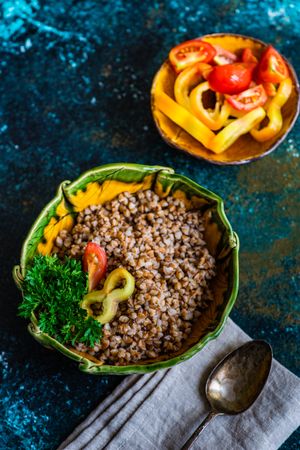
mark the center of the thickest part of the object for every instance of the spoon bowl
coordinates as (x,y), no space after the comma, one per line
(236,382)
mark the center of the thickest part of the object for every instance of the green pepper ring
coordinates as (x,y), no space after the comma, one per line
(110,296)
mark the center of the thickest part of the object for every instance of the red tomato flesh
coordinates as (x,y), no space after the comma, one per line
(272,67)
(231,78)
(270,88)
(190,52)
(248,56)
(249,99)
(94,263)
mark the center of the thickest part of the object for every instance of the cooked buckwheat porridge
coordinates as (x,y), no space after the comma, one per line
(161,244)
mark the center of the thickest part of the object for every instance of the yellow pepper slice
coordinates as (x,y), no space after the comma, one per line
(213,118)
(110,295)
(186,80)
(226,137)
(217,143)
(235,113)
(274,112)
(182,117)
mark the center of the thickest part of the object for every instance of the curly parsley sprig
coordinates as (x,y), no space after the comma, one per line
(53,290)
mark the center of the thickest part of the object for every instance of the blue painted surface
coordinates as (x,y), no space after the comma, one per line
(75,80)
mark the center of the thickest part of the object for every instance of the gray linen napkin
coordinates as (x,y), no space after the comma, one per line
(161,410)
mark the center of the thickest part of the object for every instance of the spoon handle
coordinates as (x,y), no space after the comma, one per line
(198,430)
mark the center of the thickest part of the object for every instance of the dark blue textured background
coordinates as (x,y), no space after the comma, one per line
(74,88)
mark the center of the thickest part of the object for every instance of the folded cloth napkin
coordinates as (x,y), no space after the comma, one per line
(161,410)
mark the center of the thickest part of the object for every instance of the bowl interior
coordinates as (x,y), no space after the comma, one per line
(103,184)
(245,149)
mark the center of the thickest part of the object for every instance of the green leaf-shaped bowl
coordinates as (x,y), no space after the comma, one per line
(103,184)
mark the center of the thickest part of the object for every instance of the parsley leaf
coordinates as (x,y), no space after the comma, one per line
(53,290)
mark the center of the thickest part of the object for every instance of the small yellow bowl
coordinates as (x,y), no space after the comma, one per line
(243,150)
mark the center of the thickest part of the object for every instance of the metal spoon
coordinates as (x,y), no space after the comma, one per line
(236,382)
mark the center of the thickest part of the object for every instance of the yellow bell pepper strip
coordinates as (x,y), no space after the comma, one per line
(226,137)
(186,80)
(110,295)
(217,143)
(274,113)
(183,118)
(229,121)
(235,113)
(213,118)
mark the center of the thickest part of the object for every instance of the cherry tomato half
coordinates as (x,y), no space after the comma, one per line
(272,67)
(190,52)
(94,263)
(270,88)
(249,99)
(231,78)
(248,56)
(224,56)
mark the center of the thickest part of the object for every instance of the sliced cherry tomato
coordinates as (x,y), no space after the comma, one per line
(224,56)
(249,99)
(272,67)
(95,263)
(190,52)
(231,78)
(270,88)
(248,56)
